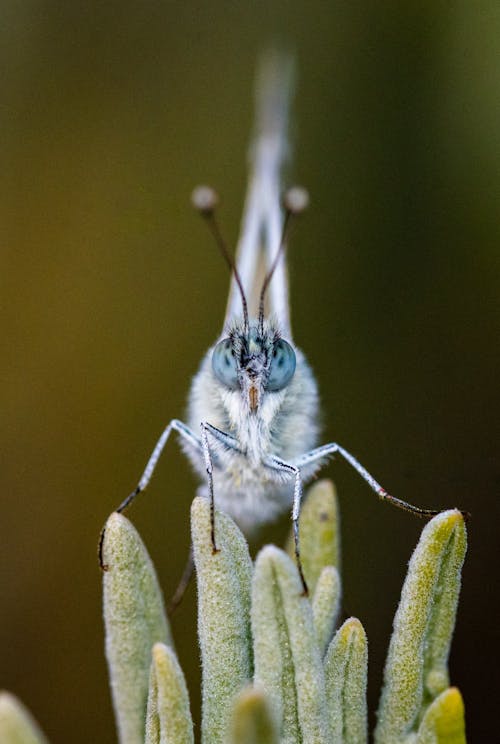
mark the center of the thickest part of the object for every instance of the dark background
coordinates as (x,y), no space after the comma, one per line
(112,290)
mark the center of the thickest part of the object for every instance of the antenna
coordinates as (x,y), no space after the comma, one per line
(205,200)
(295,201)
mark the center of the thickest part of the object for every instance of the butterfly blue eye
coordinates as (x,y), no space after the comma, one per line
(224,364)
(282,366)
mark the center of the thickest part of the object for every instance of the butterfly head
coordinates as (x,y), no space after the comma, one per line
(254,362)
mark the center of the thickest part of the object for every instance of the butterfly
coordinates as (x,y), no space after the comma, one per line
(252,432)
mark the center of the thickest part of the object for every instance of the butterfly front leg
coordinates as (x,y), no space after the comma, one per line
(183,431)
(230,443)
(332,448)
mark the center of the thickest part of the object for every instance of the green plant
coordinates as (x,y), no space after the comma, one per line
(274,669)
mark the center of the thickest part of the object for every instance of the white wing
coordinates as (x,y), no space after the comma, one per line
(262,218)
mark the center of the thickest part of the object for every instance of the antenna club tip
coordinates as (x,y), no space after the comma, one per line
(204,199)
(296,200)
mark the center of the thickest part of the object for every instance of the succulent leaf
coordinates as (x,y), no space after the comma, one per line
(224,581)
(287,659)
(416,667)
(135,619)
(346,668)
(168,718)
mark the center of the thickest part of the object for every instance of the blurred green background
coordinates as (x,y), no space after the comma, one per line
(112,290)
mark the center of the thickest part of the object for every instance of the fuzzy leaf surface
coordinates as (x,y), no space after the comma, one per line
(168,718)
(135,620)
(288,664)
(224,581)
(416,667)
(346,670)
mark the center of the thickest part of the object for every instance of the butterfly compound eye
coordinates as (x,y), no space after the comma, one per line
(224,364)
(282,366)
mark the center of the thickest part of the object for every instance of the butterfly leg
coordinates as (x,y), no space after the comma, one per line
(230,443)
(276,464)
(332,448)
(183,431)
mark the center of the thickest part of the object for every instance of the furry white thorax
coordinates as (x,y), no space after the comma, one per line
(283,425)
